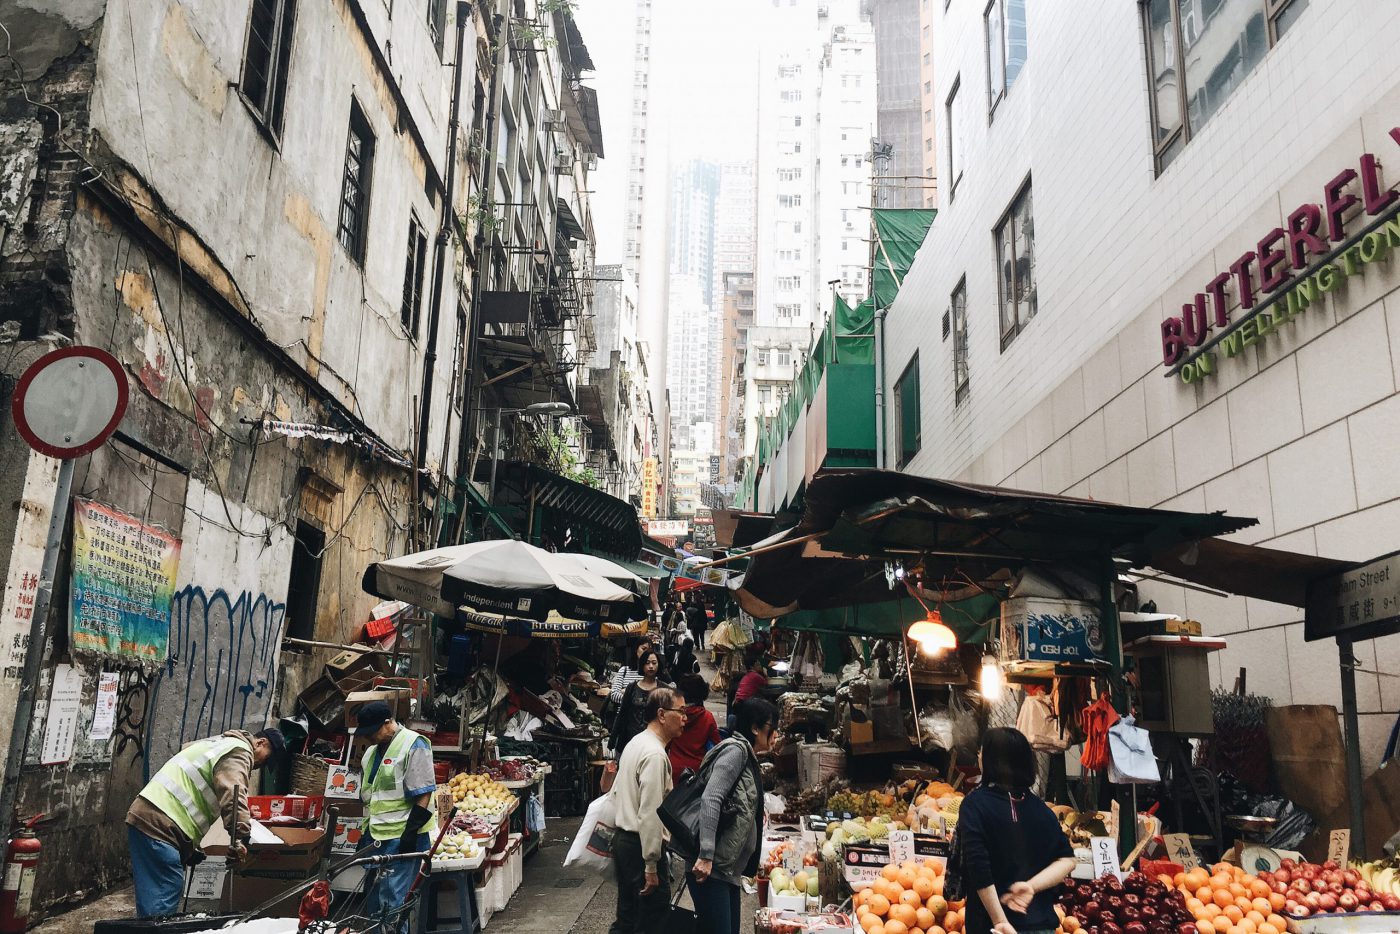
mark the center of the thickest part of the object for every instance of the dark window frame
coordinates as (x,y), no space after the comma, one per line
(436,22)
(268,103)
(1166,149)
(304,589)
(415,269)
(357,183)
(962,377)
(904,453)
(999,45)
(955,172)
(1009,217)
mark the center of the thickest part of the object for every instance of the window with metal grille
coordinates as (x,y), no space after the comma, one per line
(354,194)
(1015,236)
(906,406)
(960,369)
(414,264)
(265,61)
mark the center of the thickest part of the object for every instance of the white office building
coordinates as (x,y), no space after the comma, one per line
(1134,252)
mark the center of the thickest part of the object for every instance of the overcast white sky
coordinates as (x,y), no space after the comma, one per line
(704,81)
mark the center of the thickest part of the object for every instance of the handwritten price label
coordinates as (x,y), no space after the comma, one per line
(1103,851)
(901,845)
(1179,850)
(1339,846)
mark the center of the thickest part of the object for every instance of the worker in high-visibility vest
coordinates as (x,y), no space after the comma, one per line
(206,781)
(397,786)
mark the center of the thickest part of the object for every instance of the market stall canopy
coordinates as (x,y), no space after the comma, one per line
(615,572)
(1247,570)
(503,576)
(855,521)
(735,528)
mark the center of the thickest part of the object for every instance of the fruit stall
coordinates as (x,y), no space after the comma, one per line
(921,613)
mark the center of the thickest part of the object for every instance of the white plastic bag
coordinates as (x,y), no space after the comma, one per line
(1131,760)
(592,846)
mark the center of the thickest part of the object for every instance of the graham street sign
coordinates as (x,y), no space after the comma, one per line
(1358,604)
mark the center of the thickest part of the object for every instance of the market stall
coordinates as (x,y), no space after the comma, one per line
(923,613)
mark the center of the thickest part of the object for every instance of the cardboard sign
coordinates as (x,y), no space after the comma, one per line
(1103,853)
(1179,850)
(862,862)
(901,845)
(343,782)
(1115,814)
(1339,846)
(207,882)
(348,831)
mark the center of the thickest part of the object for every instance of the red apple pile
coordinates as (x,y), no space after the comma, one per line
(1135,905)
(1312,889)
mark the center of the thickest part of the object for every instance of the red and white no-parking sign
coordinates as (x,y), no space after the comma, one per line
(69,401)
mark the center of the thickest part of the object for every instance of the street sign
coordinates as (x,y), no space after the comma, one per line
(1358,604)
(69,401)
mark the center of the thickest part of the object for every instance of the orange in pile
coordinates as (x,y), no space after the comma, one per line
(908,899)
(1228,900)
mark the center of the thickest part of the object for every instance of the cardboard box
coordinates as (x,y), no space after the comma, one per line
(398,700)
(347,833)
(1040,630)
(296,857)
(285,807)
(244,893)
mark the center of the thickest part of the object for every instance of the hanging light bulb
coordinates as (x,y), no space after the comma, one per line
(992,680)
(932,635)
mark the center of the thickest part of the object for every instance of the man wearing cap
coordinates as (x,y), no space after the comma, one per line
(205,781)
(398,790)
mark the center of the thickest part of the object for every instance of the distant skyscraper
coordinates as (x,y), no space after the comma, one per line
(812,177)
(694,201)
(899,110)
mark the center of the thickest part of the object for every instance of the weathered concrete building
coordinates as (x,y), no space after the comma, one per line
(251,204)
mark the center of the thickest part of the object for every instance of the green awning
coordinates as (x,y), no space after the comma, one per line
(569,516)
(971,619)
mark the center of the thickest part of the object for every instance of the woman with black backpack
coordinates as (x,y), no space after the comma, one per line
(731,818)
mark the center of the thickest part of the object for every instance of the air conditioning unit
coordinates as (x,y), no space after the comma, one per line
(554,117)
(563,162)
(591,163)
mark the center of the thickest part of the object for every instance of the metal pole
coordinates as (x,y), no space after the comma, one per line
(29,685)
(1347,660)
(495,454)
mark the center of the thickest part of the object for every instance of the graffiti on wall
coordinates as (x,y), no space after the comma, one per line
(129,723)
(221,672)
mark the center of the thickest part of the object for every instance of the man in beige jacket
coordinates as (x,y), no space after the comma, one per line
(643,780)
(206,781)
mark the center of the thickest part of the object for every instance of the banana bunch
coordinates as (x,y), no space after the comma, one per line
(1381,875)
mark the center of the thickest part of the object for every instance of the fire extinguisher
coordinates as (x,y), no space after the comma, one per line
(21,865)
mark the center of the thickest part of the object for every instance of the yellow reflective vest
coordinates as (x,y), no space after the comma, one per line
(386,795)
(183,789)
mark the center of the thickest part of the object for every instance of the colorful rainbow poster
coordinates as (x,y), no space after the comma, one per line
(123,580)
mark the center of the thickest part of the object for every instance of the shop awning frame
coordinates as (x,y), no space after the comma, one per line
(855,521)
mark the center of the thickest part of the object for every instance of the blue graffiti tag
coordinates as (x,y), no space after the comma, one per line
(221,670)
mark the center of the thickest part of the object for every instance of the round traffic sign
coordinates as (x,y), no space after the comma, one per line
(69,401)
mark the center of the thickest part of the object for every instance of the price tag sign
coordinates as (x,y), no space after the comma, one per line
(862,863)
(901,845)
(1339,846)
(1179,850)
(1103,853)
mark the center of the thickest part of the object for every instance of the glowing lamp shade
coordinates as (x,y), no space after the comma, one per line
(992,681)
(932,635)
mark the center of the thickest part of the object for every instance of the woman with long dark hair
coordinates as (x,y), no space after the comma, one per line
(731,817)
(631,713)
(1009,849)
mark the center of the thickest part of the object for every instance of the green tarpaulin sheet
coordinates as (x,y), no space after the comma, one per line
(971,619)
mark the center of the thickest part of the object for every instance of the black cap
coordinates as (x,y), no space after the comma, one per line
(371,717)
(275,740)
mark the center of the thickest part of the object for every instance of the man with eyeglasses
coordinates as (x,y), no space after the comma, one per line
(643,780)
